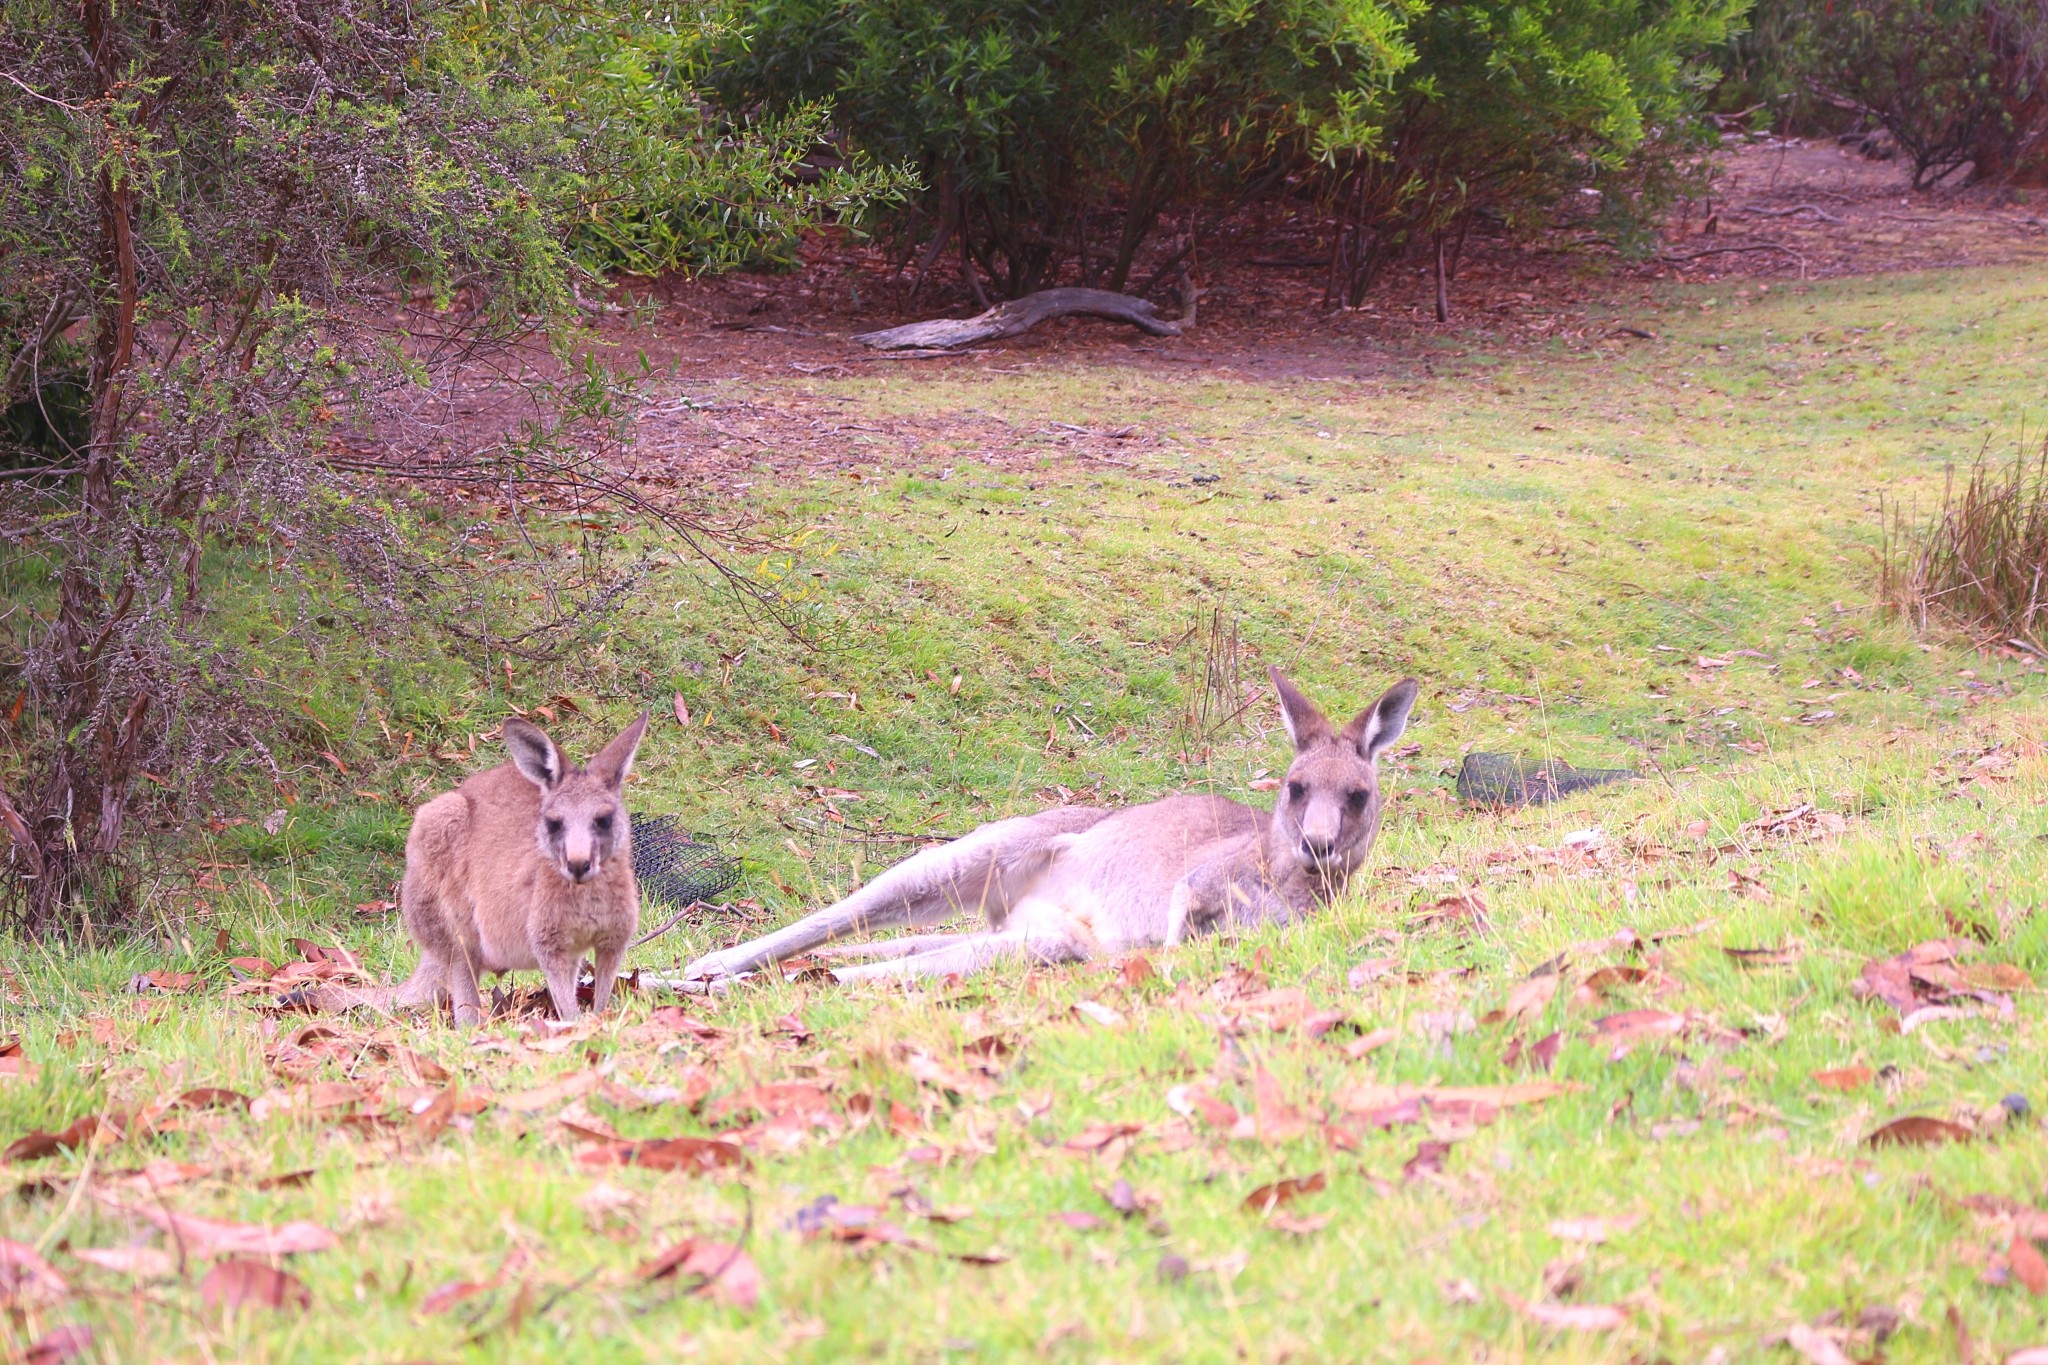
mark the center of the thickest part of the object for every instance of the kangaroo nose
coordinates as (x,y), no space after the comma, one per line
(578,870)
(1317,849)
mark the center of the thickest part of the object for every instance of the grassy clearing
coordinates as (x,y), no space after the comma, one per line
(1653,553)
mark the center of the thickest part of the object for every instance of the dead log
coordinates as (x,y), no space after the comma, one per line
(1019,316)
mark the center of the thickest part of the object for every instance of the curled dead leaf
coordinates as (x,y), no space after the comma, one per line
(26,1277)
(1571,1317)
(59,1345)
(236,1283)
(691,1155)
(1266,1198)
(1844,1078)
(1916,1130)
(725,1273)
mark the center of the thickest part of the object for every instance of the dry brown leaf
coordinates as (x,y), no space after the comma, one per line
(725,1273)
(1276,1120)
(1097,1136)
(218,1237)
(237,1283)
(1572,1317)
(444,1297)
(2027,1265)
(1530,998)
(1266,1198)
(1843,1078)
(1816,1346)
(1429,1159)
(575,1085)
(1592,1229)
(59,1345)
(1365,1099)
(692,1155)
(144,1263)
(1635,1025)
(1919,1131)
(26,1277)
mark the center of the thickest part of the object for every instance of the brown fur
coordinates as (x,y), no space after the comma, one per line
(527,866)
(1073,882)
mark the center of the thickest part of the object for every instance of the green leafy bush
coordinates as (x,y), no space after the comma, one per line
(1955,82)
(1510,105)
(657,179)
(1051,135)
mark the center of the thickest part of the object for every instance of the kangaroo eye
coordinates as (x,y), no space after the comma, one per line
(554,826)
(603,823)
(1356,801)
(1296,792)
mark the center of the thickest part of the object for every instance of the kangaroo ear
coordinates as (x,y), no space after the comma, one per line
(1379,725)
(533,753)
(615,760)
(1305,724)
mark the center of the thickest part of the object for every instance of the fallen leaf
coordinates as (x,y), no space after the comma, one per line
(1631,1025)
(1573,1317)
(444,1297)
(238,1283)
(1428,1160)
(1080,1221)
(1361,1099)
(1763,957)
(1529,998)
(689,1154)
(1817,1346)
(1843,1078)
(59,1345)
(144,1263)
(1919,1131)
(1369,971)
(1266,1198)
(2027,1264)
(1592,1229)
(726,1273)
(1096,1136)
(1276,1119)
(428,1122)
(210,1097)
(26,1277)
(572,1086)
(1299,1224)
(1464,913)
(217,1237)
(1097,1012)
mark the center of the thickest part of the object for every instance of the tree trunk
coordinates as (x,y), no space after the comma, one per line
(1019,316)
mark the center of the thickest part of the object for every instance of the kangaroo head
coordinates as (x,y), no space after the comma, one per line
(582,814)
(1328,813)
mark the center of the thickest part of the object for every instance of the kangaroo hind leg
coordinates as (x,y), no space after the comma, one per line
(986,871)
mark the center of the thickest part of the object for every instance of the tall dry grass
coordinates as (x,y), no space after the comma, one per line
(1979,565)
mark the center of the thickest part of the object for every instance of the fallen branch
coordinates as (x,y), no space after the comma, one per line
(1733,250)
(1816,210)
(1019,316)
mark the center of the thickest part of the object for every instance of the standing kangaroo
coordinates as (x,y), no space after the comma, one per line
(1066,884)
(528,865)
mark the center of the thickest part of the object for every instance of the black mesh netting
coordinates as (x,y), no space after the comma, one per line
(676,868)
(1505,780)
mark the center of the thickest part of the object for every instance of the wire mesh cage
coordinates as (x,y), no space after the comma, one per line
(677,868)
(1505,780)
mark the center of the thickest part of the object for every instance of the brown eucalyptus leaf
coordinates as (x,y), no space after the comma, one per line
(236,1283)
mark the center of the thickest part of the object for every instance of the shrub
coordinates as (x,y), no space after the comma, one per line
(1051,135)
(1955,82)
(1512,104)
(1980,563)
(658,179)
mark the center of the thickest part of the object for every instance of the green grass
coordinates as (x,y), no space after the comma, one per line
(1551,538)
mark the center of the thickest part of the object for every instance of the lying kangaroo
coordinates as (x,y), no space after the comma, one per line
(528,865)
(1069,883)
